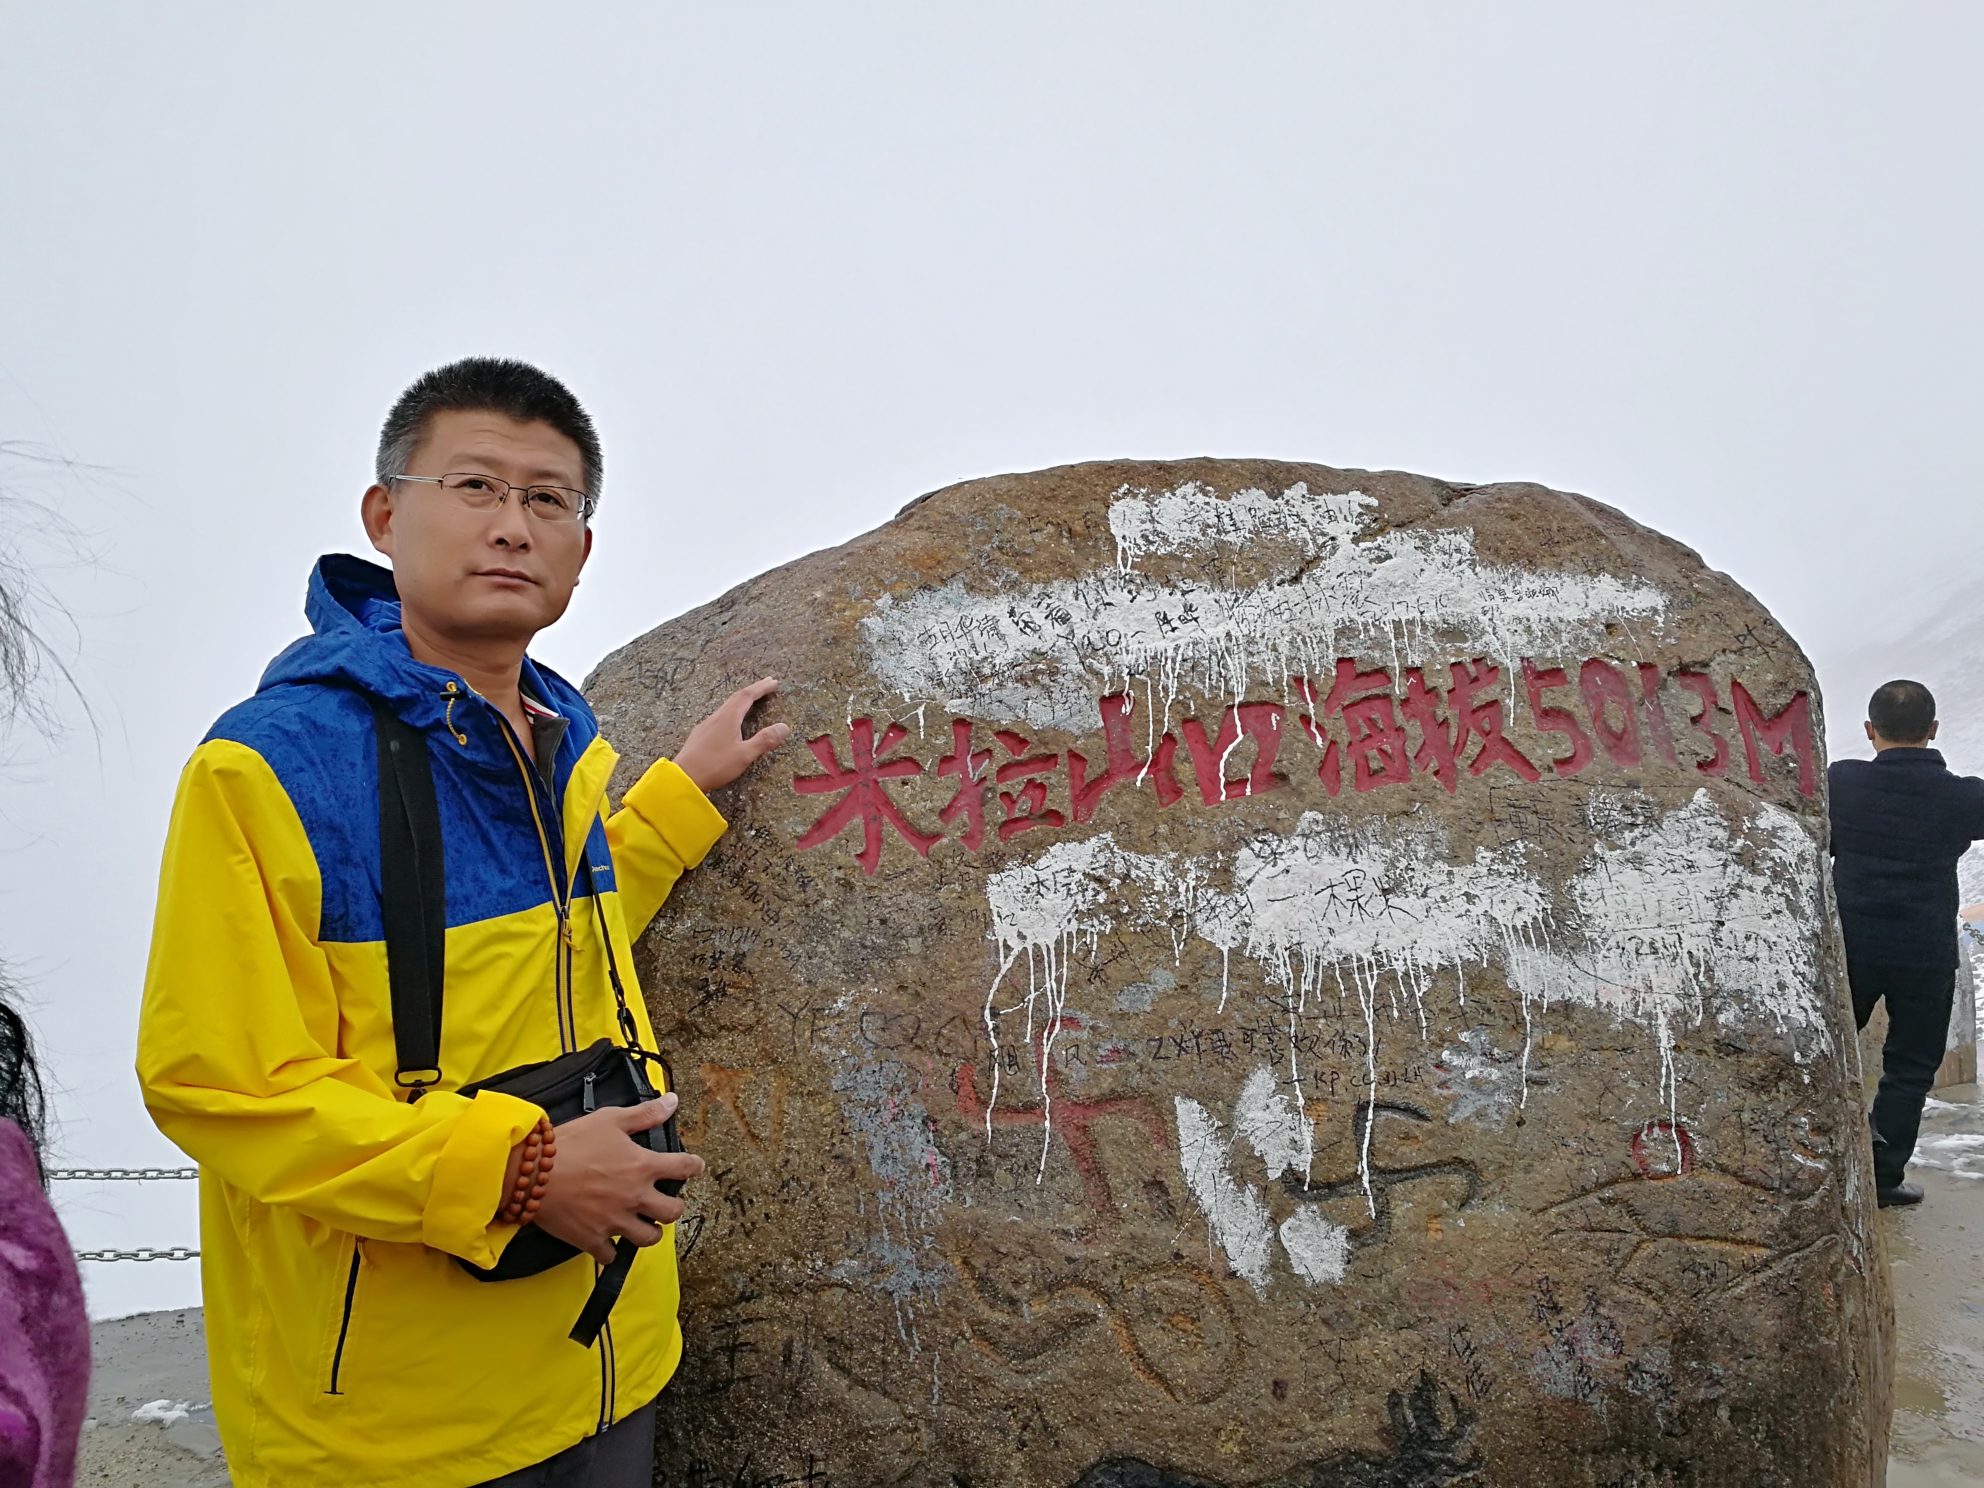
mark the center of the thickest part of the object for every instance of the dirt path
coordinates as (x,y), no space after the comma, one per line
(1937,1251)
(156,1360)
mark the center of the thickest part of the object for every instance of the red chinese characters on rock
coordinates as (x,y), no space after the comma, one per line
(1447,732)
(1260,722)
(1377,745)
(867,799)
(1471,716)
(1026,805)
(1449,723)
(1120,762)
(973,785)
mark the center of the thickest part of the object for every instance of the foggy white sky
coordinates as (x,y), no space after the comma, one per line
(1715,265)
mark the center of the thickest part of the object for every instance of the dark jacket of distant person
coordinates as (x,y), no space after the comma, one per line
(1900,821)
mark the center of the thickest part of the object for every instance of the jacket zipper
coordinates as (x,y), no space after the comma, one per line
(568,1032)
(609,1374)
(561,980)
(344,1323)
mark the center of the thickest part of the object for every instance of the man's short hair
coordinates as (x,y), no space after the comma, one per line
(488,385)
(1902,711)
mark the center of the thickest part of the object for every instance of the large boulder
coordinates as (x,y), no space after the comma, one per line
(1251,973)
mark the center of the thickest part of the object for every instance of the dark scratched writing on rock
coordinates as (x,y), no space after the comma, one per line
(1363,731)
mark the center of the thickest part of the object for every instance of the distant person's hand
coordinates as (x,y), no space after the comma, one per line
(602,1183)
(716,751)
(1972,913)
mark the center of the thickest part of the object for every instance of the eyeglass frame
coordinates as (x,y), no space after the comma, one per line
(588,503)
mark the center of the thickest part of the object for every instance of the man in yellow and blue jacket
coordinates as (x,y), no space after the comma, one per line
(346,1345)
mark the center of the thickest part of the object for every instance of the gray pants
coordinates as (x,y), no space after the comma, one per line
(620,1457)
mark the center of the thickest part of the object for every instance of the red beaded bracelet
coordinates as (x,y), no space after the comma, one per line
(521,1203)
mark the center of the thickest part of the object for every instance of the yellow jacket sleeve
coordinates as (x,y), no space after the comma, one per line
(238,1041)
(664,827)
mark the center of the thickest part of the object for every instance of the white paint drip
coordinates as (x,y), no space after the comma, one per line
(1484,1083)
(1196,519)
(1388,907)
(1280,1135)
(1318,1249)
(1679,917)
(1681,908)
(1236,1219)
(1040,655)
(1045,910)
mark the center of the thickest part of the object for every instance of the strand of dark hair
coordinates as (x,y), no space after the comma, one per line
(23,1098)
(32,673)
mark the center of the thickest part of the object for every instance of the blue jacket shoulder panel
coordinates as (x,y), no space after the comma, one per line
(319,741)
(311,720)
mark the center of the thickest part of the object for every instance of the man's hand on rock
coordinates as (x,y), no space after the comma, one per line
(716,751)
(603,1183)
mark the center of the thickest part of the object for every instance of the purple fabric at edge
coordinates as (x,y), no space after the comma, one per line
(44,1330)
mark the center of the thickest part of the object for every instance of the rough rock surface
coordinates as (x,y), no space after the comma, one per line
(1252,973)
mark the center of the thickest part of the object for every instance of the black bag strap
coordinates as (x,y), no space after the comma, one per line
(612,1278)
(413,892)
(605,1292)
(413,889)
(629,1033)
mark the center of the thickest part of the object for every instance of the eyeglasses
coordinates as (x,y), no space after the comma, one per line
(487,492)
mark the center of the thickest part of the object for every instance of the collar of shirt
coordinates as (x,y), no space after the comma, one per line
(1899,754)
(547,732)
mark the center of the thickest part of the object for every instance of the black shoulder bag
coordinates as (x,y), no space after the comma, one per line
(413,892)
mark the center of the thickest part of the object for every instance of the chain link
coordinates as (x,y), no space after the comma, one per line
(128,1175)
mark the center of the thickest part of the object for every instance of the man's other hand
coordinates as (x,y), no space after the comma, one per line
(602,1183)
(716,751)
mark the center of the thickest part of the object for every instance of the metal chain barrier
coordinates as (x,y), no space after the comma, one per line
(128,1175)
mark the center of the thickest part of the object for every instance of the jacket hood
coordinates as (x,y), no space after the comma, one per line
(354,612)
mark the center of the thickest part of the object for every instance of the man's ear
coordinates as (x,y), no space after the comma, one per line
(1933,726)
(375,510)
(1872,737)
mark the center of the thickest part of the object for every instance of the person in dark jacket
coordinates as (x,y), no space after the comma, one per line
(1900,821)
